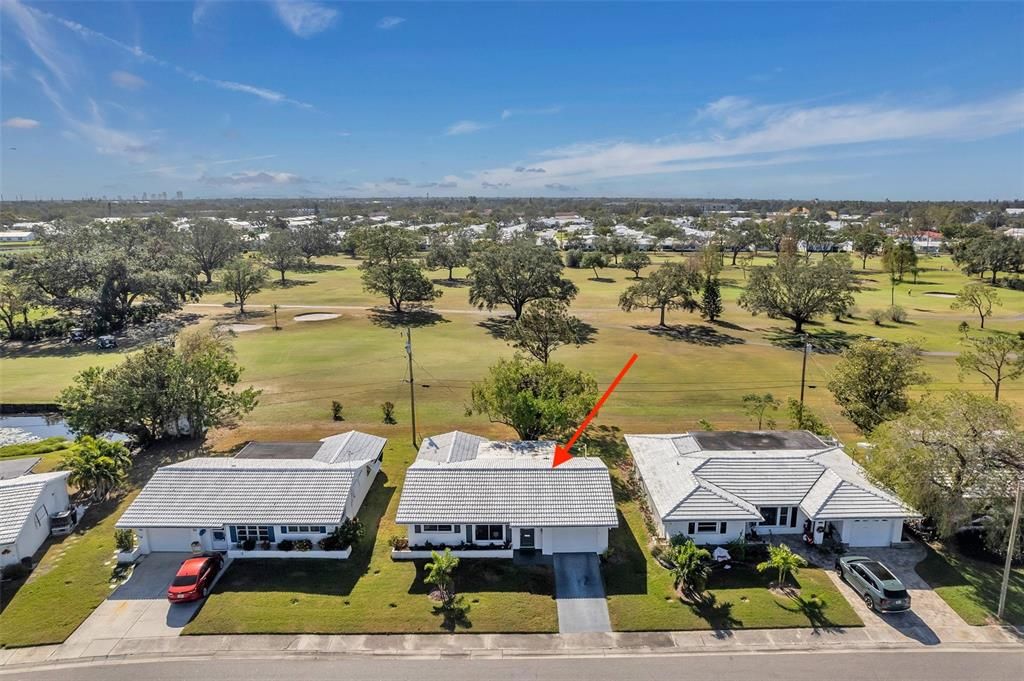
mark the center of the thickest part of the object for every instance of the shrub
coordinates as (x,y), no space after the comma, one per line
(877,316)
(573,259)
(690,567)
(248,544)
(336,411)
(398,542)
(124,539)
(737,549)
(344,536)
(1016,284)
(16,571)
(896,314)
(303,545)
(285,545)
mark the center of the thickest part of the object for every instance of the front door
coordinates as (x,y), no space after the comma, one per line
(526,538)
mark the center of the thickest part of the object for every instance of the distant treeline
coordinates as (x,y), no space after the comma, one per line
(486,209)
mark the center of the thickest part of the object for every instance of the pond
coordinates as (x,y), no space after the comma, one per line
(16,428)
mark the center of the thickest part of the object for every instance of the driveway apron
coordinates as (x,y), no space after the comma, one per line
(579,594)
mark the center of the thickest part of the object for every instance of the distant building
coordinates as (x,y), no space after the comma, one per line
(17,235)
(178,195)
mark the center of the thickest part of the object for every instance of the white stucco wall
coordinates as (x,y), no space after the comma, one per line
(361,483)
(733,530)
(420,538)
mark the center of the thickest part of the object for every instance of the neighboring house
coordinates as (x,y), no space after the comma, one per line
(269,491)
(26,503)
(715,486)
(17,236)
(465,490)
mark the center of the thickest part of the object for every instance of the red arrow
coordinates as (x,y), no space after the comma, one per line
(562,453)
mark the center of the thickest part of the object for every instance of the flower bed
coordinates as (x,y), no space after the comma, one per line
(418,553)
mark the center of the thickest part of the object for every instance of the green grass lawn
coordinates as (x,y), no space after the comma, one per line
(642,597)
(51,445)
(370,593)
(690,371)
(971,587)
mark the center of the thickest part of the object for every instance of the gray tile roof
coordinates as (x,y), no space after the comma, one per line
(504,482)
(17,498)
(217,491)
(688,482)
(12,468)
(450,447)
(350,446)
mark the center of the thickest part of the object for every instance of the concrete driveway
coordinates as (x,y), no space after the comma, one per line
(929,621)
(139,607)
(579,594)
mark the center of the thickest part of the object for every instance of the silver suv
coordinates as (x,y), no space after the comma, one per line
(874,583)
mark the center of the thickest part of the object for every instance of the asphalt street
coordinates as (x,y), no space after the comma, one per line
(817,666)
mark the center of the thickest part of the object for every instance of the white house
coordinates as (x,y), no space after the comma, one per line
(26,503)
(715,486)
(463,490)
(269,492)
(17,236)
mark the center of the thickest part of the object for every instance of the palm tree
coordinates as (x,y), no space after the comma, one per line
(97,464)
(690,567)
(441,573)
(782,558)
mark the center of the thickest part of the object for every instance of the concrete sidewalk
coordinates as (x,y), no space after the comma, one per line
(497,646)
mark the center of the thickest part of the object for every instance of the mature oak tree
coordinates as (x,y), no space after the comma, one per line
(797,290)
(281,251)
(243,278)
(871,379)
(951,457)
(210,244)
(515,273)
(670,287)
(545,326)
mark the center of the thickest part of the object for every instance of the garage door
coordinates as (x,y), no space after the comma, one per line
(869,532)
(170,539)
(570,540)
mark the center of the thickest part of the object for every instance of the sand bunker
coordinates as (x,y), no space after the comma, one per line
(241,328)
(316,317)
(940,294)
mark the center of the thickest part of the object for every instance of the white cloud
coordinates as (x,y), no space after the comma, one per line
(40,40)
(759,135)
(464,128)
(545,111)
(93,129)
(254,178)
(387,23)
(127,81)
(21,123)
(87,33)
(305,19)
(199,11)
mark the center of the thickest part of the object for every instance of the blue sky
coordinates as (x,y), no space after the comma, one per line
(805,100)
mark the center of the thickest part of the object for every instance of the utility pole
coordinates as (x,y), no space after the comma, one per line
(1009,550)
(803,378)
(412,383)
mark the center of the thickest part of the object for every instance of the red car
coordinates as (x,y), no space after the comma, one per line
(194,578)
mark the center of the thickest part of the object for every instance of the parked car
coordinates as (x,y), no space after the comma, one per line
(106,342)
(194,578)
(77,335)
(874,583)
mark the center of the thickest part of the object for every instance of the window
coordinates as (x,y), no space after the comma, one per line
(439,528)
(257,532)
(489,532)
(770,514)
(784,516)
(707,527)
(304,529)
